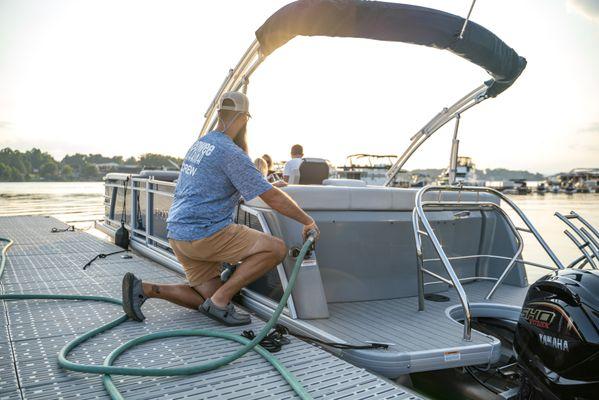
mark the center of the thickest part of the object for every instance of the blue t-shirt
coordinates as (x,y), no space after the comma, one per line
(214,174)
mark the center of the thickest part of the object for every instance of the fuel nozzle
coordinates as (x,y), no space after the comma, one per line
(295,251)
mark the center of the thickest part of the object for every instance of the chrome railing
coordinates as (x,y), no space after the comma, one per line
(589,239)
(419,218)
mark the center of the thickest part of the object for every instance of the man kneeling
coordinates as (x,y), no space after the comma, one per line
(215,173)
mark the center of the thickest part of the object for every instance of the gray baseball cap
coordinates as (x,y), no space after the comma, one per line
(241,103)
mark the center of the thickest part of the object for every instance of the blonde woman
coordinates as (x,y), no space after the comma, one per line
(262,166)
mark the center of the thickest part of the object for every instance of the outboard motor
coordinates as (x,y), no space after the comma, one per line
(557,337)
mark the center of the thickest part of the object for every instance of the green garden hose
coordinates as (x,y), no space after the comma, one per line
(107,368)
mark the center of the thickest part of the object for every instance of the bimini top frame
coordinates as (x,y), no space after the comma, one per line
(389,22)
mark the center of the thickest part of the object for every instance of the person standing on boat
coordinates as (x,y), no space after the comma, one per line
(215,174)
(292,166)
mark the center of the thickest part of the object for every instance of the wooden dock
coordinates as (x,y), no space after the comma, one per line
(33,331)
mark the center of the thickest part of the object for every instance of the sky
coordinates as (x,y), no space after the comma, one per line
(130,77)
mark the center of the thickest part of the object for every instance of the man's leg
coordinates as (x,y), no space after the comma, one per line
(182,294)
(266,253)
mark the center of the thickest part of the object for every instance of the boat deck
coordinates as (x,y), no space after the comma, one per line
(399,322)
(33,331)
(418,340)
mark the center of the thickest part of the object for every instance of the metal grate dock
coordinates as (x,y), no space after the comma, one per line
(32,332)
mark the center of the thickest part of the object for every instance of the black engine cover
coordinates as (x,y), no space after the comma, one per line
(557,337)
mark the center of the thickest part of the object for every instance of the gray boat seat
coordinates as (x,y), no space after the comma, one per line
(364,198)
(312,171)
(344,182)
(366,250)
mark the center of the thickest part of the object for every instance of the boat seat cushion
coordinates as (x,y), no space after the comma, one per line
(369,198)
(344,182)
(312,171)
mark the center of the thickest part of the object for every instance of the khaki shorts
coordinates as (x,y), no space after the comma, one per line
(202,259)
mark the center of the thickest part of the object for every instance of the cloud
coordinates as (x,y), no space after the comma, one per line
(5,126)
(588,8)
(592,128)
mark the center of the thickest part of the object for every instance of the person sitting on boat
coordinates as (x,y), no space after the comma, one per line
(262,166)
(272,175)
(292,166)
(270,171)
(216,172)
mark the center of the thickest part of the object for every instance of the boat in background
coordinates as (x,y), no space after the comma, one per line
(372,169)
(520,187)
(464,173)
(570,189)
(555,189)
(584,180)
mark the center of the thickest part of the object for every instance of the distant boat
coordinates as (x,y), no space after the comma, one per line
(420,180)
(520,187)
(592,185)
(465,173)
(570,189)
(372,169)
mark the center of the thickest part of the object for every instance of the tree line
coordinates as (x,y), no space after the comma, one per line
(37,165)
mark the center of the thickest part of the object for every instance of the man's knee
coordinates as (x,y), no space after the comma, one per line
(278,249)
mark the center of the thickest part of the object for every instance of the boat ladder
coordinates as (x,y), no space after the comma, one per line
(588,243)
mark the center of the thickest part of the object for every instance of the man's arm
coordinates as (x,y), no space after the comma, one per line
(281,202)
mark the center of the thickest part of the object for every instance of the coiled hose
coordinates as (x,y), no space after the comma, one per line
(107,369)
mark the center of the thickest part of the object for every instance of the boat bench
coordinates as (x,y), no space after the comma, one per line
(366,250)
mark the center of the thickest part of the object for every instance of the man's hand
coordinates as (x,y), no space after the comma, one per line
(311,228)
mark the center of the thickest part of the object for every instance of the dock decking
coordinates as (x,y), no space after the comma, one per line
(33,331)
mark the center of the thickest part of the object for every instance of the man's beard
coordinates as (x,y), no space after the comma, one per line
(241,139)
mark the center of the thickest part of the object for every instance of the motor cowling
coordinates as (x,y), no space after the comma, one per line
(557,337)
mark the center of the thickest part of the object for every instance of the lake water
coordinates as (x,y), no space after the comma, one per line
(80,203)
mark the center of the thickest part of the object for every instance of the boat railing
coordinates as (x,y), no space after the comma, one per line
(463,208)
(586,238)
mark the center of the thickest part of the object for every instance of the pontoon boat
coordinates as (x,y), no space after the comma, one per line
(408,269)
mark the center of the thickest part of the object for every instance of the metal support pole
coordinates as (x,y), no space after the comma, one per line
(420,215)
(453,158)
(447,114)
(461,36)
(419,259)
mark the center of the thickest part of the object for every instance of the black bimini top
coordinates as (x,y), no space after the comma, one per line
(398,23)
